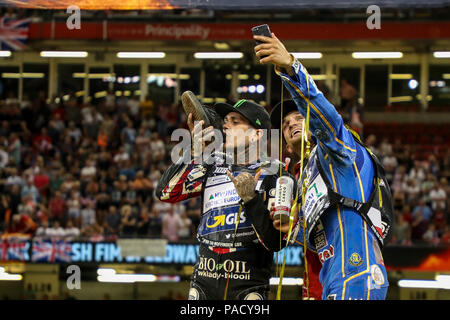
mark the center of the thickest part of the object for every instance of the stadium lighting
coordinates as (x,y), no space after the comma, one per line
(323,76)
(5,276)
(442,283)
(218,55)
(64,54)
(110,275)
(5,54)
(10,277)
(400,76)
(441,54)
(401,99)
(307,55)
(14,75)
(287,281)
(377,55)
(141,55)
(221,46)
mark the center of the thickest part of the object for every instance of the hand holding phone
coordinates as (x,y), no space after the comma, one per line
(262,30)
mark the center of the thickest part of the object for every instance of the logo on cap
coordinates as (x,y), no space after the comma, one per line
(239,103)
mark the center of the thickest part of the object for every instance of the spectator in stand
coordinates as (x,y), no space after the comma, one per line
(71,232)
(184,227)
(446,236)
(30,189)
(56,231)
(42,182)
(431,235)
(170,225)
(74,207)
(122,155)
(56,180)
(128,137)
(426,186)
(112,222)
(445,185)
(433,165)
(438,197)
(14,148)
(385,147)
(23,224)
(89,171)
(26,206)
(390,164)
(14,178)
(74,133)
(419,227)
(4,157)
(88,215)
(142,185)
(155,224)
(143,141)
(402,231)
(417,173)
(147,107)
(15,197)
(58,208)
(193,211)
(425,211)
(41,213)
(412,190)
(133,106)
(42,231)
(371,143)
(143,223)
(43,142)
(127,170)
(5,210)
(157,147)
(398,184)
(129,222)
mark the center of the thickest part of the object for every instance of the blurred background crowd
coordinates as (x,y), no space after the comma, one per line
(70,169)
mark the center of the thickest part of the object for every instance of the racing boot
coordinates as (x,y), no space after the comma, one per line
(200,112)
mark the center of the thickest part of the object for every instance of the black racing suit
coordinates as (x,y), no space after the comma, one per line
(225,255)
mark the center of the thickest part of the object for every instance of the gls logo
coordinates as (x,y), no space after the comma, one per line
(222,219)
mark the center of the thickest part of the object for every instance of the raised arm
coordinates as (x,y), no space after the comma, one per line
(326,125)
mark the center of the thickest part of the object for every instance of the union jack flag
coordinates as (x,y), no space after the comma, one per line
(13,33)
(14,248)
(51,250)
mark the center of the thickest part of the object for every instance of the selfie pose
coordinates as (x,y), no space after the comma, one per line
(345,202)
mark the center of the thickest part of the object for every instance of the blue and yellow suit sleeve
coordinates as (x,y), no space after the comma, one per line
(350,247)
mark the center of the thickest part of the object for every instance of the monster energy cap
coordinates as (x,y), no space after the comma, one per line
(256,114)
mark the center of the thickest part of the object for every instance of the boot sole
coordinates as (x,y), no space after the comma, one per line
(192,105)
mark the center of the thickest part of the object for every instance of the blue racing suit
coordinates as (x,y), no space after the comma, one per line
(346,243)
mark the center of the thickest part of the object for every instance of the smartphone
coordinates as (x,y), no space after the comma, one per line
(262,30)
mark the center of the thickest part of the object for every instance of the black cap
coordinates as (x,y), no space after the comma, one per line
(288,107)
(256,114)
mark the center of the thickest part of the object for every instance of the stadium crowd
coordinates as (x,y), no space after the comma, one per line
(69,169)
